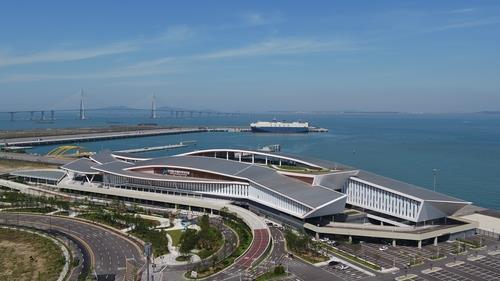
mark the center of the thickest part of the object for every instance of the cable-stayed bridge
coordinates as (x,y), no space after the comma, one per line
(84,113)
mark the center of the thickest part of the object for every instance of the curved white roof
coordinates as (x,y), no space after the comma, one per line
(312,196)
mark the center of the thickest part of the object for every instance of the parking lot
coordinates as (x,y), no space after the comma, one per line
(446,275)
(478,264)
(400,256)
(349,274)
(478,272)
(490,262)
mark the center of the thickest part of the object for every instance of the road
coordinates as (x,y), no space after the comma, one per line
(109,251)
(299,269)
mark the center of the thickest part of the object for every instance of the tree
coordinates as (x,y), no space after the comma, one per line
(279,270)
(204,223)
(63,205)
(188,241)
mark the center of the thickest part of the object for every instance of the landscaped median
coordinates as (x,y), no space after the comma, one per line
(141,228)
(352,258)
(277,273)
(300,245)
(244,236)
(37,210)
(474,244)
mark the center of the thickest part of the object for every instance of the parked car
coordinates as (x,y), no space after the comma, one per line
(342,266)
(333,263)
(383,248)
(333,243)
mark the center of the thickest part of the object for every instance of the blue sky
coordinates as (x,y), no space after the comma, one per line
(416,56)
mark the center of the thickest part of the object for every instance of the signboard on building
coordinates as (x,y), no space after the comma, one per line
(178,173)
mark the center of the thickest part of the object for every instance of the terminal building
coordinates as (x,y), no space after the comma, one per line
(299,187)
(316,194)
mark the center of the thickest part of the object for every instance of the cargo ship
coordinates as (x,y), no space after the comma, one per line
(280,127)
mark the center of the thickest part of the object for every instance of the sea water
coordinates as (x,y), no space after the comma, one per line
(464,148)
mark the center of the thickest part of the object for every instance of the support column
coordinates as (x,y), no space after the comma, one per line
(253,158)
(394,242)
(239,157)
(266,160)
(350,239)
(420,244)
(227,155)
(435,241)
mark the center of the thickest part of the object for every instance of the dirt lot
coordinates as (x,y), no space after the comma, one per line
(12,165)
(27,256)
(71,131)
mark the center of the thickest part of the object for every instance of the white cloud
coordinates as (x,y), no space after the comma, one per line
(282,46)
(153,63)
(169,65)
(467,24)
(111,74)
(173,34)
(462,11)
(178,33)
(65,55)
(256,19)
(286,46)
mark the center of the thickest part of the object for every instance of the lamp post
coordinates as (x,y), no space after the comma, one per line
(434,173)
(147,254)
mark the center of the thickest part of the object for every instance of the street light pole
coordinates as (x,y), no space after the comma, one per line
(434,172)
(147,253)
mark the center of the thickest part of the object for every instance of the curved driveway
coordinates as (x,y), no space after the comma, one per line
(109,251)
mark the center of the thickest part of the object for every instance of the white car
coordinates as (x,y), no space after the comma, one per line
(383,248)
(342,266)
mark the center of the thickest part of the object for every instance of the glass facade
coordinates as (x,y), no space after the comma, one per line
(225,189)
(370,197)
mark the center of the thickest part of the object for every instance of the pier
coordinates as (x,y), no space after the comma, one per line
(156,148)
(77,138)
(98,134)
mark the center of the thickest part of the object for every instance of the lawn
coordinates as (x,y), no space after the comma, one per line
(270,275)
(104,218)
(28,256)
(245,239)
(183,258)
(176,236)
(157,238)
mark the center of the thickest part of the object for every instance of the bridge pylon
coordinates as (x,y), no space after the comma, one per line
(82,106)
(153,108)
